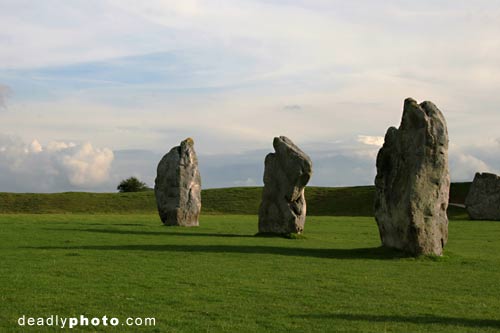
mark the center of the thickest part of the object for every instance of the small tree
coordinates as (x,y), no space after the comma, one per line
(132,184)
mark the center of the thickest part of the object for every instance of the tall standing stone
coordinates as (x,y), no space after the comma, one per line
(178,186)
(413,182)
(286,173)
(483,199)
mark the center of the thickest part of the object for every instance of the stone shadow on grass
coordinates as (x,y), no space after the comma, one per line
(150,233)
(419,319)
(378,253)
(118,224)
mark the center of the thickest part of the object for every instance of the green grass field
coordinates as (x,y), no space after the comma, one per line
(219,277)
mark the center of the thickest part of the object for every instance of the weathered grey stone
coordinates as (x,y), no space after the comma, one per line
(286,173)
(413,182)
(178,186)
(483,199)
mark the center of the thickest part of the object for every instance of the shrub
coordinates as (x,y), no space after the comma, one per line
(132,184)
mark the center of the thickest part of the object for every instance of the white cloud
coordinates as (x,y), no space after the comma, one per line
(55,146)
(35,147)
(56,167)
(246,182)
(62,32)
(482,156)
(371,140)
(63,166)
(85,165)
(464,166)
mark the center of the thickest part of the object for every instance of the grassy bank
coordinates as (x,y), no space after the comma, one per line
(321,201)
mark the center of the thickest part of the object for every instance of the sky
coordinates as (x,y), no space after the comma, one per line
(95,91)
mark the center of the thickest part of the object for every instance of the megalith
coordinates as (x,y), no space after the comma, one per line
(178,186)
(412,183)
(286,173)
(483,200)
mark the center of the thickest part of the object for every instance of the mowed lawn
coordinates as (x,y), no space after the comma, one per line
(220,278)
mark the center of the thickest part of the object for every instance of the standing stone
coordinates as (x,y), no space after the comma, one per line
(178,186)
(483,199)
(412,182)
(283,207)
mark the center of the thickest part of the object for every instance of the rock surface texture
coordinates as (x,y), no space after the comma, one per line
(286,173)
(483,199)
(413,182)
(178,186)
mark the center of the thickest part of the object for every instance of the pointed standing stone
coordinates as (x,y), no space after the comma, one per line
(283,206)
(178,186)
(412,183)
